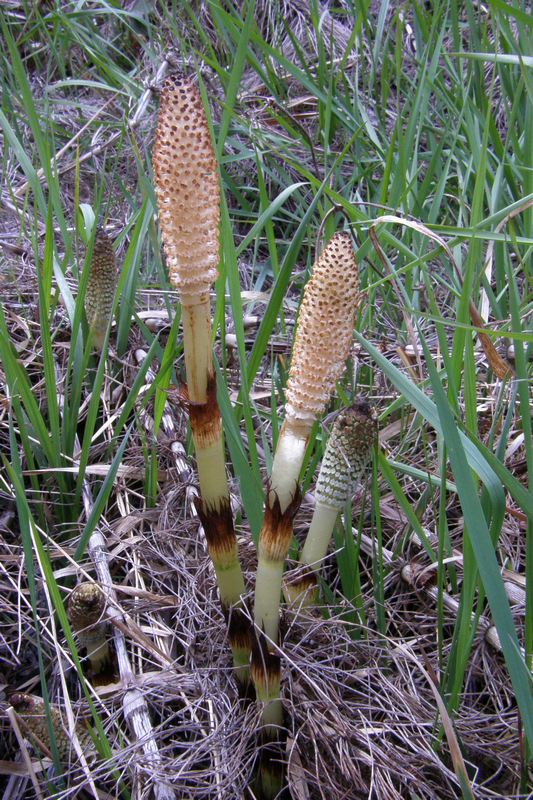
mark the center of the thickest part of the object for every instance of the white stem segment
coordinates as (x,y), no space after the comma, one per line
(319,535)
(196,321)
(267,595)
(288,463)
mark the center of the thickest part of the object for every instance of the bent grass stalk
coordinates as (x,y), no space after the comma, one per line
(321,346)
(346,458)
(188,198)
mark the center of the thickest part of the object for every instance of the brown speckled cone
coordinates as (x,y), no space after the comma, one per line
(86,607)
(324,333)
(86,604)
(187,188)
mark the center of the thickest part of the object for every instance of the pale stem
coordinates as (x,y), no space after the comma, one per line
(267,595)
(284,482)
(272,716)
(212,473)
(287,464)
(319,535)
(230,579)
(196,321)
(95,642)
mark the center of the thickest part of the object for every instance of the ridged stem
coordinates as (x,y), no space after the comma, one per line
(274,542)
(321,346)
(206,428)
(197,346)
(214,510)
(275,536)
(319,534)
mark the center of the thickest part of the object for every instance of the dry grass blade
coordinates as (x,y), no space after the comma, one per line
(455,750)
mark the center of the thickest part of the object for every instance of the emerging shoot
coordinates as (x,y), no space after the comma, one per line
(32,713)
(345,461)
(100,287)
(86,609)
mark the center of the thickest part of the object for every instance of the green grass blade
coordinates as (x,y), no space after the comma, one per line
(102,498)
(19,384)
(485,464)
(478,534)
(127,283)
(249,480)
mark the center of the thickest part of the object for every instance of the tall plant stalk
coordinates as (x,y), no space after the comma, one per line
(321,346)
(188,197)
(345,461)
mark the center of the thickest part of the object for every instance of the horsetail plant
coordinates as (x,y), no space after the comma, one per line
(345,461)
(322,343)
(188,198)
(31,711)
(100,291)
(86,609)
